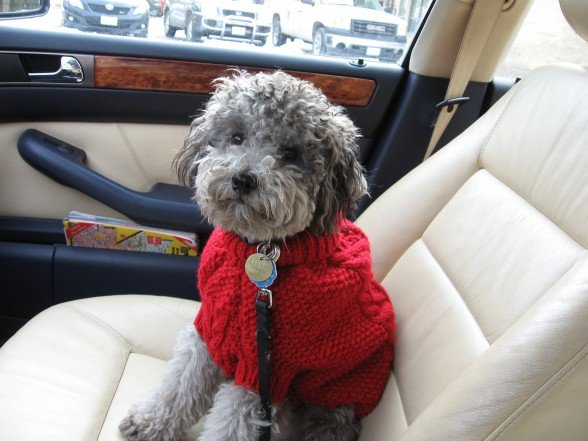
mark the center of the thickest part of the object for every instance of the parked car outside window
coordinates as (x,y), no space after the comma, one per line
(119,17)
(232,20)
(352,28)
(156,7)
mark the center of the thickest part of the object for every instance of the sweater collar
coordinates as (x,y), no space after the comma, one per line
(303,247)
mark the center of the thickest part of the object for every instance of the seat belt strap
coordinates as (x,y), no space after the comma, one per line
(482,19)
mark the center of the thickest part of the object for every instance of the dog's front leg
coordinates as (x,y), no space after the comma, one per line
(313,423)
(234,416)
(184,394)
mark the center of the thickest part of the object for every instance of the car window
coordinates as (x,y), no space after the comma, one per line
(368,29)
(544,38)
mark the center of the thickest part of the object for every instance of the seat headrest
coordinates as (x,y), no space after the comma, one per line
(576,13)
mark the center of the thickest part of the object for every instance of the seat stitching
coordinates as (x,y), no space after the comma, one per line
(482,155)
(115,334)
(550,220)
(103,325)
(455,288)
(398,385)
(522,409)
(401,401)
(114,394)
(133,153)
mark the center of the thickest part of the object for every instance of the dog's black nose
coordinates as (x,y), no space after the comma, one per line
(244,182)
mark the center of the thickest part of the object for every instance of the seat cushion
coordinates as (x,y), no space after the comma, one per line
(78,366)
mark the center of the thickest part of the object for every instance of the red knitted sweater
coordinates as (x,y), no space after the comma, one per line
(332,322)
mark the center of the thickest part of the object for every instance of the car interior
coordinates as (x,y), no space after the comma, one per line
(481,246)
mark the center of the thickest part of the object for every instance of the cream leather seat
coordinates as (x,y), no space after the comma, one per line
(483,249)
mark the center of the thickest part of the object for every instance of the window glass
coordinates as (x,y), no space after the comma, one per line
(371,29)
(545,38)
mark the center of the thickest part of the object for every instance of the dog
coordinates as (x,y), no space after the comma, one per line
(273,162)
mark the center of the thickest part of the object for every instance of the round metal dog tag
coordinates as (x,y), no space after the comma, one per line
(261,270)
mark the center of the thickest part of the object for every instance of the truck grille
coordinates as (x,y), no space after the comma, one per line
(229,32)
(228,12)
(373,29)
(101,9)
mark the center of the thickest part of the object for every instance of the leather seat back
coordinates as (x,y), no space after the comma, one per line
(484,255)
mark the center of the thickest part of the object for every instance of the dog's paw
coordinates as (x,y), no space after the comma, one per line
(137,427)
(131,430)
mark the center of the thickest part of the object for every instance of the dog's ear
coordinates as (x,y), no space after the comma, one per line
(345,183)
(195,146)
(186,161)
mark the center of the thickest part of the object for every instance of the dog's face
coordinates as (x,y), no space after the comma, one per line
(270,157)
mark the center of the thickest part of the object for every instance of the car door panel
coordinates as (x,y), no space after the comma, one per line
(36,276)
(136,156)
(26,283)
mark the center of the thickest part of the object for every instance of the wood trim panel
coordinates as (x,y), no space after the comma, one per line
(195,77)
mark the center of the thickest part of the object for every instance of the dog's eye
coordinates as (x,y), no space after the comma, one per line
(290,155)
(237,139)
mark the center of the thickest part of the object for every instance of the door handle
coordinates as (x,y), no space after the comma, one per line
(70,71)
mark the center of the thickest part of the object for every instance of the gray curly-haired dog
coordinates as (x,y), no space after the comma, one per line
(268,158)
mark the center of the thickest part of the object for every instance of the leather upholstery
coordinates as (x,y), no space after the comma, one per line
(484,254)
(72,372)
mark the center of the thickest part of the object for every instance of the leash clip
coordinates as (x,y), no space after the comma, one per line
(271,250)
(265,295)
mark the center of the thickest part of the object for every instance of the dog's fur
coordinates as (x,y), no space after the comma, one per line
(300,155)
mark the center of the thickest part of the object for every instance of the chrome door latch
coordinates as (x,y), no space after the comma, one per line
(70,71)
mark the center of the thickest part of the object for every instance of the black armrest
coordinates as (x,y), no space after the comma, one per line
(165,206)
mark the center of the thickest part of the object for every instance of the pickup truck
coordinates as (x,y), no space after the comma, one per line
(359,28)
(234,20)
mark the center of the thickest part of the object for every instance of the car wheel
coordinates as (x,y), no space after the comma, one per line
(193,28)
(278,39)
(318,41)
(170,31)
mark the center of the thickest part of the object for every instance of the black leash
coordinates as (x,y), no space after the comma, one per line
(261,269)
(264,315)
